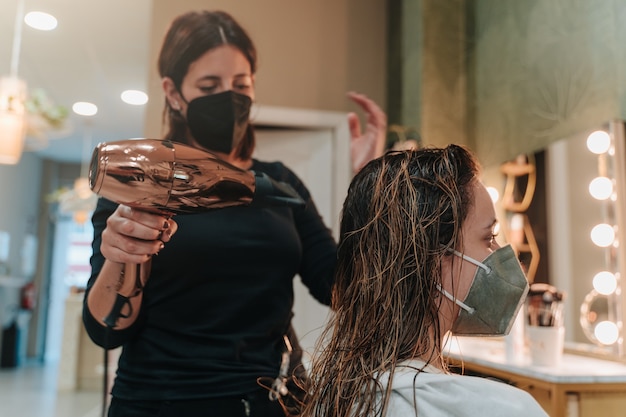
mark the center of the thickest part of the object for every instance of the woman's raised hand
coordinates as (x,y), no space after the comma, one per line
(365,146)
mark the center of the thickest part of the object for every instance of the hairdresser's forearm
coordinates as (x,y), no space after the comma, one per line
(113,281)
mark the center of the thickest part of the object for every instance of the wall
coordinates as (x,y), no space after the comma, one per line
(429,73)
(19,210)
(24,210)
(545,70)
(310,53)
(506,76)
(19,188)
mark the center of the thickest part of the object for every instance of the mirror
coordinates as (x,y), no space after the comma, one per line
(594,311)
(573,220)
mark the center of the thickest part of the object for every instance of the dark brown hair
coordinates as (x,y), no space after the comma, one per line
(402,212)
(190,36)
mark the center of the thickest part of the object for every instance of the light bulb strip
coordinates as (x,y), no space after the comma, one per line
(605,161)
(614,313)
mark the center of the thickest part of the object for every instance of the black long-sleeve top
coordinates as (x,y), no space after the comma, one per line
(219,297)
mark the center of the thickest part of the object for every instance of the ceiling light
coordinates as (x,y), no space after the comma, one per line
(84,108)
(40,20)
(134,97)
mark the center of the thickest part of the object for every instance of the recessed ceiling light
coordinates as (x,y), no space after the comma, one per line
(40,20)
(84,108)
(134,97)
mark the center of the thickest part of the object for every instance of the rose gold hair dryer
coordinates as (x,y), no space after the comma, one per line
(168,178)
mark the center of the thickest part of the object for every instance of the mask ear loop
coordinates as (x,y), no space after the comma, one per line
(456,300)
(470,260)
(254,112)
(452,298)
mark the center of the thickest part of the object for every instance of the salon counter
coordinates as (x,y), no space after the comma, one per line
(579,386)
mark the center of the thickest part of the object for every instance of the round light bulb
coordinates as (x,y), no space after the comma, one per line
(603,235)
(606,332)
(599,142)
(605,282)
(601,188)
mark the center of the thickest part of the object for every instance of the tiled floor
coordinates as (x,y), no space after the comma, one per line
(31,391)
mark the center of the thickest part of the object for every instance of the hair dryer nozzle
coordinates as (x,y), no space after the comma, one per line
(269,192)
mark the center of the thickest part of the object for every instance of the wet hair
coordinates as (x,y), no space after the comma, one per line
(189,37)
(402,212)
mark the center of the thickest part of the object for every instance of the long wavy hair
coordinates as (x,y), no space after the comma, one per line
(189,37)
(402,212)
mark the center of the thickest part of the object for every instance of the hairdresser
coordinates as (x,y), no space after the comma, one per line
(208,330)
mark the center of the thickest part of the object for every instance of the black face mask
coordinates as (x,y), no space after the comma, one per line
(218,122)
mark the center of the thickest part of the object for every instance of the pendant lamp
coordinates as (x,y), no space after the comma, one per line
(13,92)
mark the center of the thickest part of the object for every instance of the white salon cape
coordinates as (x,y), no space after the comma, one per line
(436,394)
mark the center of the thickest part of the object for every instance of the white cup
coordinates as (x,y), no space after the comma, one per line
(545,344)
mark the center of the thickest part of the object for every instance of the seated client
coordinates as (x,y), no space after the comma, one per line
(417,261)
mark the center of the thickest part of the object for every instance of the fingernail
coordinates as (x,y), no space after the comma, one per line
(161,246)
